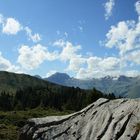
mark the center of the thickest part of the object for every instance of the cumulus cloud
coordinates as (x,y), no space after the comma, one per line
(99,67)
(110,63)
(132,73)
(134,57)
(34,37)
(88,74)
(6,65)
(86,66)
(69,51)
(125,36)
(11,26)
(108,8)
(59,43)
(76,63)
(31,57)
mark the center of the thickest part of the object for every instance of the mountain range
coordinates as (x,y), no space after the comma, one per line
(22,91)
(121,86)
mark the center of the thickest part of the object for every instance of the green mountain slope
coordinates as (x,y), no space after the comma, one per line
(10,82)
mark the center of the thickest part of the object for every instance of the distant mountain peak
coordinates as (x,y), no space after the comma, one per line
(58,77)
(63,75)
(123,78)
(122,85)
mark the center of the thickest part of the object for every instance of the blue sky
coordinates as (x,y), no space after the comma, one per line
(84,38)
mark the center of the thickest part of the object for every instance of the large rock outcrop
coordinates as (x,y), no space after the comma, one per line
(102,120)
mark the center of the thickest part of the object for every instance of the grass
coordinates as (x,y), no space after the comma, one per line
(137,126)
(12,121)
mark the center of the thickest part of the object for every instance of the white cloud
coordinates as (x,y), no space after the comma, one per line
(134,56)
(132,73)
(116,34)
(11,26)
(102,64)
(76,63)
(137,6)
(88,74)
(31,57)
(59,43)
(94,66)
(110,63)
(93,63)
(6,65)
(35,38)
(69,51)
(89,66)
(50,73)
(108,8)
(84,73)
(125,36)
(70,54)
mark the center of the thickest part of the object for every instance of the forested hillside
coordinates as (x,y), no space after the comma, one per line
(60,98)
(10,82)
(21,91)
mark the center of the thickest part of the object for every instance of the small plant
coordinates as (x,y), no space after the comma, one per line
(137,127)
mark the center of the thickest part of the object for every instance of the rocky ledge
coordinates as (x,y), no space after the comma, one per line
(103,120)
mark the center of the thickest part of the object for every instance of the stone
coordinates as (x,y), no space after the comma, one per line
(102,120)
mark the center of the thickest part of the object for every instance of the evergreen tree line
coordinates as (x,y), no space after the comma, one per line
(60,98)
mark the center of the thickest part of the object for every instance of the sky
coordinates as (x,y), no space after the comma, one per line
(83,38)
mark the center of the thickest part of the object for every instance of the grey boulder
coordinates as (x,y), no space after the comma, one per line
(102,120)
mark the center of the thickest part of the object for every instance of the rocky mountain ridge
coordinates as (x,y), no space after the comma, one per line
(121,86)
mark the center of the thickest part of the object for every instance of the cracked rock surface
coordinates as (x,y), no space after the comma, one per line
(102,120)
